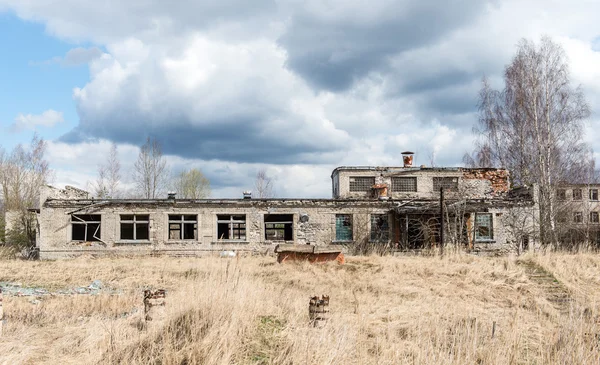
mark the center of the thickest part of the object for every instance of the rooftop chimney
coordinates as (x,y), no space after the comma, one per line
(247,194)
(171,195)
(407,157)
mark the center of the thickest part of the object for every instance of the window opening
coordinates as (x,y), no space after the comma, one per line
(231,227)
(279,227)
(183,227)
(361,183)
(343,227)
(484,229)
(380,229)
(135,227)
(85,227)
(404,184)
(447,183)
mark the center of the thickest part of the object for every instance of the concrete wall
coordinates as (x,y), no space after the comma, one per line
(56,229)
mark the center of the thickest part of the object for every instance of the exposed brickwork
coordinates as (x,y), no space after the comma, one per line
(498,178)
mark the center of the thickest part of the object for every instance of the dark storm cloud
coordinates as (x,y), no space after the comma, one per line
(332,53)
(241,140)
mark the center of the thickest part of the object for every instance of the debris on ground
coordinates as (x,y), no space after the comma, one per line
(18,290)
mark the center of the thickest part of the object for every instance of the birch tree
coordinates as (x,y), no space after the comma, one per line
(150,172)
(263,185)
(534,126)
(109,176)
(191,184)
(22,173)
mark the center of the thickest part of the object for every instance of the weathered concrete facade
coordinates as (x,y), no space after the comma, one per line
(478,202)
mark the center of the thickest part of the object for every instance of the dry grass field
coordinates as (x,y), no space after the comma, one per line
(251,310)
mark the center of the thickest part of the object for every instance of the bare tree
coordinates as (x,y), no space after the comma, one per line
(191,184)
(109,176)
(150,172)
(534,127)
(22,173)
(263,185)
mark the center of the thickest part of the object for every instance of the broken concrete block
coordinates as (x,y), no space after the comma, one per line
(318,310)
(154,304)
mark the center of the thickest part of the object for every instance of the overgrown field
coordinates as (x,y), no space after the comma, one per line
(459,309)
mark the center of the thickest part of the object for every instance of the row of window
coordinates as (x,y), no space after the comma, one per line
(278,227)
(402,184)
(577,194)
(578,217)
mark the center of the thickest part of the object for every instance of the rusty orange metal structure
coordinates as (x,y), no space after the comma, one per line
(310,253)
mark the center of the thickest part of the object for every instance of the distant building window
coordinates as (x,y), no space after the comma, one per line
(577,194)
(135,227)
(380,228)
(404,184)
(231,227)
(279,227)
(183,227)
(594,217)
(343,227)
(578,217)
(593,194)
(447,183)
(484,227)
(561,194)
(85,227)
(361,183)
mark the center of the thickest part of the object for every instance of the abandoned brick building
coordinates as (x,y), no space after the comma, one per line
(394,207)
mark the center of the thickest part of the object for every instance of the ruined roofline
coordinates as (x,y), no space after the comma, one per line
(90,203)
(412,168)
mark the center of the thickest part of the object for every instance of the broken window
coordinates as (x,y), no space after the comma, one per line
(447,183)
(578,217)
(404,184)
(380,229)
(594,218)
(484,227)
(135,227)
(361,183)
(577,194)
(85,227)
(561,194)
(593,194)
(231,227)
(279,227)
(183,227)
(343,227)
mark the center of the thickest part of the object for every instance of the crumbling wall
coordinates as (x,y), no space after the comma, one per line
(497,180)
(318,229)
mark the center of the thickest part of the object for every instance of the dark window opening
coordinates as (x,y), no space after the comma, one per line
(593,194)
(380,228)
(577,194)
(594,217)
(183,227)
(135,227)
(85,227)
(447,183)
(361,183)
(561,194)
(231,227)
(578,217)
(484,227)
(404,184)
(279,227)
(343,227)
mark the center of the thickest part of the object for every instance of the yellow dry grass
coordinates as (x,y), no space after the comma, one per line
(251,310)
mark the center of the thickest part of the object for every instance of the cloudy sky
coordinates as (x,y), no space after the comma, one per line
(295,87)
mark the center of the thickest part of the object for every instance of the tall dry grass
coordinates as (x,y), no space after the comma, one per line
(251,310)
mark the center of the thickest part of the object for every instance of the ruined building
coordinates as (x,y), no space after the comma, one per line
(399,208)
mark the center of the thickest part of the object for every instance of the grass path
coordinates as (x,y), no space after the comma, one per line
(555,292)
